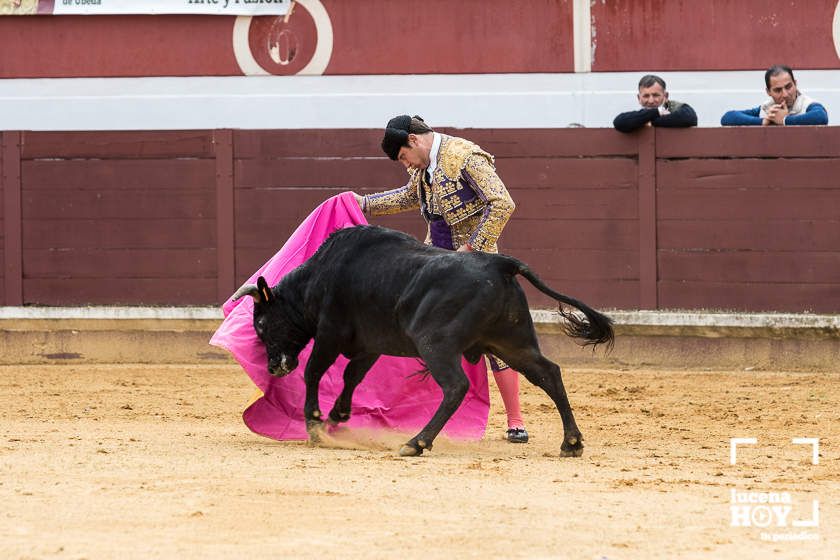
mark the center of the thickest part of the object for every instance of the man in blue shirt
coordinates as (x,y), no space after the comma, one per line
(787,105)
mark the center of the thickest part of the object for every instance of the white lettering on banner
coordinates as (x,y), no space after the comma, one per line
(211,7)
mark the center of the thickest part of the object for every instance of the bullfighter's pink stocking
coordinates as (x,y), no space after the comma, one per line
(508,382)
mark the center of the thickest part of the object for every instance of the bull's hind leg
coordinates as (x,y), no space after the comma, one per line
(355,371)
(545,374)
(447,372)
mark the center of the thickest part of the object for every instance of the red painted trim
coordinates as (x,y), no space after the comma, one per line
(12,221)
(225,211)
(431,37)
(656,36)
(369,37)
(647,220)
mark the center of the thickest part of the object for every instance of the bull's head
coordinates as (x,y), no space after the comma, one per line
(274,322)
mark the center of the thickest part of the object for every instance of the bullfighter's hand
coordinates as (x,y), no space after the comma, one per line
(360,200)
(465,248)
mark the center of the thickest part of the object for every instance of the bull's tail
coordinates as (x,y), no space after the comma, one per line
(595,329)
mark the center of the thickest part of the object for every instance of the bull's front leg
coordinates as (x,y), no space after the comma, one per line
(447,372)
(322,357)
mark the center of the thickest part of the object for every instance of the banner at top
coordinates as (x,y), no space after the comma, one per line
(112,7)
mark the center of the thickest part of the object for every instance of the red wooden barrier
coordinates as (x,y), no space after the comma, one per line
(743,219)
(749,219)
(10,181)
(118,218)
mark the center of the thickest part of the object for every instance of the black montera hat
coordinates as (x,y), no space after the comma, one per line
(396,135)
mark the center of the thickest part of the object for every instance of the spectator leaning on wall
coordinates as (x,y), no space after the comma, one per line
(657,109)
(787,105)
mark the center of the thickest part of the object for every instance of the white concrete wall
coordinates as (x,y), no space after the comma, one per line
(486,101)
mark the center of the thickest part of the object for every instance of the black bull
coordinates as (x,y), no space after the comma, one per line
(370,291)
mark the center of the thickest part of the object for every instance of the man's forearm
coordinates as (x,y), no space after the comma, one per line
(815,115)
(391,202)
(749,117)
(633,120)
(683,117)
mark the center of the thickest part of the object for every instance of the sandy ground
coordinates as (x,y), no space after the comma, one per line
(155,462)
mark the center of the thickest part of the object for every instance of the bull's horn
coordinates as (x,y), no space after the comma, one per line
(247,290)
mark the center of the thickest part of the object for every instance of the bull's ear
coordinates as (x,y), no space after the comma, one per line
(265,292)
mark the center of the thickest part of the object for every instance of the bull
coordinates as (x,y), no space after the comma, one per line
(370,291)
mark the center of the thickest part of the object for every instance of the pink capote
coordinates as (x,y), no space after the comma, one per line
(389,397)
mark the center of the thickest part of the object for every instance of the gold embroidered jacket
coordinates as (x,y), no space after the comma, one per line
(464,190)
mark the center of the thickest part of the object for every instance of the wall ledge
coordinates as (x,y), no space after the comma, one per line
(654,323)
(733,341)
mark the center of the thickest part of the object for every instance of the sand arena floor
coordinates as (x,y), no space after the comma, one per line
(133,461)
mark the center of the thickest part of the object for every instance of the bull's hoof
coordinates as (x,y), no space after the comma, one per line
(576,452)
(315,430)
(414,448)
(572,447)
(410,451)
(334,418)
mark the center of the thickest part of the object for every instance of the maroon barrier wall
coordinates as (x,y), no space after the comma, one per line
(126,217)
(743,219)
(749,219)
